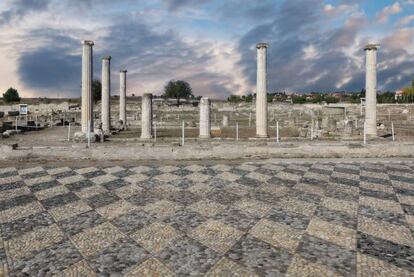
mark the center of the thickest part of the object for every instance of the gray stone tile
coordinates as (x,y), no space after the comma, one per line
(77,224)
(17,201)
(222,196)
(45,185)
(337,217)
(118,259)
(26,224)
(133,221)
(187,257)
(185,220)
(399,255)
(93,174)
(115,184)
(237,219)
(408,209)
(260,257)
(102,199)
(331,255)
(143,198)
(344,181)
(375,180)
(384,215)
(183,197)
(77,186)
(59,200)
(292,219)
(378,194)
(12,185)
(47,262)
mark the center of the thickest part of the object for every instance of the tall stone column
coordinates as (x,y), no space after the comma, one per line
(106,95)
(225,121)
(146,116)
(122,98)
(261,91)
(87,100)
(205,124)
(371,90)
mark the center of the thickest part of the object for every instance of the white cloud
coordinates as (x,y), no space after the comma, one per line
(384,15)
(406,20)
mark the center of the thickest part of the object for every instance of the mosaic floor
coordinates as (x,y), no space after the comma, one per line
(250,219)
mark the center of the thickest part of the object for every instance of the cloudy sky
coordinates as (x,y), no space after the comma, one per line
(315,45)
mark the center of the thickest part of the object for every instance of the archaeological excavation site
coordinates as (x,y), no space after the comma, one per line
(150,127)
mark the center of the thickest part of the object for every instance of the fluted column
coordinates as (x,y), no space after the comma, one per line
(205,118)
(87,100)
(146,116)
(371,89)
(261,91)
(106,94)
(122,98)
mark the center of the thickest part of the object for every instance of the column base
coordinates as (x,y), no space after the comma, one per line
(146,138)
(204,137)
(262,136)
(83,137)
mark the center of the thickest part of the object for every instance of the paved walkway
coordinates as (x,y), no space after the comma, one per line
(261,218)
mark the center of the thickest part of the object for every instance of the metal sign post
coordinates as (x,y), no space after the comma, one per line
(182,135)
(392,129)
(277,131)
(155,131)
(365,135)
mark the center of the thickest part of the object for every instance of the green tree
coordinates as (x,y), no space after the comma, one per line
(331,99)
(319,98)
(299,99)
(386,97)
(234,98)
(178,89)
(96,90)
(408,91)
(249,98)
(11,95)
(269,98)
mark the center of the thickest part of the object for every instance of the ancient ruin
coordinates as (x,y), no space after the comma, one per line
(261,91)
(371,90)
(106,95)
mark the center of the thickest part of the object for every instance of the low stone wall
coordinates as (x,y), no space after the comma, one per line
(208,150)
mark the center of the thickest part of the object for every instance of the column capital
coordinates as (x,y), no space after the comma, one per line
(123,71)
(371,47)
(87,42)
(106,58)
(262,45)
(205,100)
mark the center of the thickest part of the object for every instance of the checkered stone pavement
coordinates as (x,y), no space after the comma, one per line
(250,219)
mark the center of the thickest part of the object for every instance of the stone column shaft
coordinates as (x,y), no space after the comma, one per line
(87,100)
(261,91)
(205,124)
(106,94)
(146,116)
(371,90)
(225,121)
(122,98)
